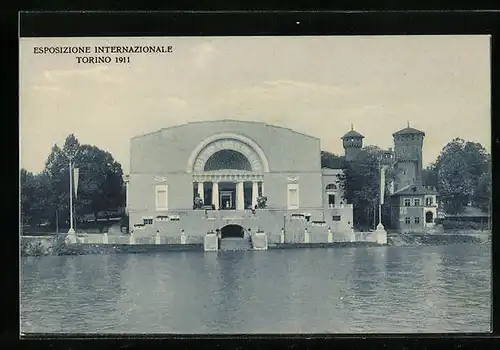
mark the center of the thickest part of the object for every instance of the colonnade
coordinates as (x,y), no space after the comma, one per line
(240,193)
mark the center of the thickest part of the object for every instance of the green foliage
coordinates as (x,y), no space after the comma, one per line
(46,195)
(361,184)
(330,160)
(261,202)
(430,176)
(463,176)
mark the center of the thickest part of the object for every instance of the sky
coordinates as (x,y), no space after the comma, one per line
(314,85)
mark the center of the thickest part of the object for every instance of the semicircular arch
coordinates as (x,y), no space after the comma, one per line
(227,141)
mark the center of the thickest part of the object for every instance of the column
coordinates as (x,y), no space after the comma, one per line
(201,191)
(126,181)
(215,195)
(262,188)
(255,193)
(240,200)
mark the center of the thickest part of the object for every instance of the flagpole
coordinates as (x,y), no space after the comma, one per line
(381,195)
(71,229)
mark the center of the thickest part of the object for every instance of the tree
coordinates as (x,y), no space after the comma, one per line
(361,184)
(100,185)
(332,161)
(430,175)
(464,175)
(27,181)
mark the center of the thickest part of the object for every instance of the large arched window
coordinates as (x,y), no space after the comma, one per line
(330,192)
(227,159)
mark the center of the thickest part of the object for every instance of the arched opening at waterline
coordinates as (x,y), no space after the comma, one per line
(233,231)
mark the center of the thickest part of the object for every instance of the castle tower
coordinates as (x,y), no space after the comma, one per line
(408,144)
(353,142)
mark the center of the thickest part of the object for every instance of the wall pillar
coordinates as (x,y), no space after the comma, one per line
(262,188)
(215,195)
(240,196)
(255,193)
(201,191)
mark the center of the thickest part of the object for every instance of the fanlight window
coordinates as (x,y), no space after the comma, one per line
(331,187)
(227,159)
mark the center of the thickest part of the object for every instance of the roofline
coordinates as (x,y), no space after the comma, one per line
(399,131)
(225,120)
(359,137)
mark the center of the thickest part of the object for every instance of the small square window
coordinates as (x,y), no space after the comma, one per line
(407,221)
(336,218)
(417,220)
(407,202)
(416,202)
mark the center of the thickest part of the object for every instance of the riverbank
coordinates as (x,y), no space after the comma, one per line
(55,244)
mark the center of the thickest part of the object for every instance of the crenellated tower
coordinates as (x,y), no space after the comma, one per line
(408,144)
(352,142)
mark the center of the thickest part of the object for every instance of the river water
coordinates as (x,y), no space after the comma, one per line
(442,288)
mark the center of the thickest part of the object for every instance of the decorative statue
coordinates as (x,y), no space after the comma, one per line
(261,202)
(198,202)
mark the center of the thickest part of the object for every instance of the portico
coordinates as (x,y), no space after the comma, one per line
(228,172)
(228,189)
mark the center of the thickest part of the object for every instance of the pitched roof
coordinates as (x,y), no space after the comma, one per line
(409,131)
(415,189)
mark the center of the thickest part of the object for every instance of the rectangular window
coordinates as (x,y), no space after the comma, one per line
(407,221)
(336,218)
(416,202)
(331,201)
(407,202)
(161,197)
(417,220)
(148,221)
(293,196)
(428,201)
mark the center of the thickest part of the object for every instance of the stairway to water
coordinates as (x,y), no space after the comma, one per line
(235,243)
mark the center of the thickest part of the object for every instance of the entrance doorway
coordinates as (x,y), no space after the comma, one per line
(234,231)
(227,196)
(226,200)
(429,217)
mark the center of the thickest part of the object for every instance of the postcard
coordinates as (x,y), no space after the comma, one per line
(255,185)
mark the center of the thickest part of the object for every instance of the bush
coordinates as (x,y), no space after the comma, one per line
(463,225)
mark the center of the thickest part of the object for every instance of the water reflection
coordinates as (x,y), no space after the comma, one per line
(372,289)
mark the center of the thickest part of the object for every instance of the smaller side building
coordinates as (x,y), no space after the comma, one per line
(414,208)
